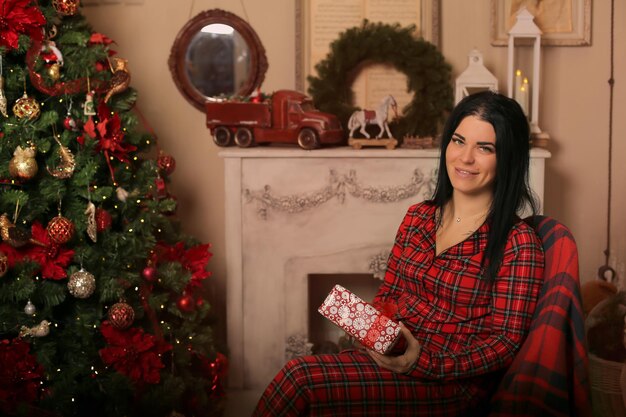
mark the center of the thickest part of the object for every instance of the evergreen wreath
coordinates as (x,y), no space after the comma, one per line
(428,75)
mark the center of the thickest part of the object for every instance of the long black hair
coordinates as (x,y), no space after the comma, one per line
(511,191)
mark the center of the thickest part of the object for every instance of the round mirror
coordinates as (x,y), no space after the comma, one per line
(217,54)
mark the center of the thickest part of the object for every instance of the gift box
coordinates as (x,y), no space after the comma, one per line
(360,320)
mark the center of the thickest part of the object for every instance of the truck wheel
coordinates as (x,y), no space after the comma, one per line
(222,136)
(307,139)
(244,138)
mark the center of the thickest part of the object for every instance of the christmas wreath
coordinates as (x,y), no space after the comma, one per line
(428,75)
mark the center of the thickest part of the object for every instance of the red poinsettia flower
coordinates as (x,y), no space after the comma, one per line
(20,374)
(19,17)
(13,255)
(194,260)
(108,132)
(96,38)
(99,38)
(134,353)
(52,257)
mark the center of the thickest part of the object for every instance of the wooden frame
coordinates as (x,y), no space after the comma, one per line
(177,59)
(429,25)
(579,34)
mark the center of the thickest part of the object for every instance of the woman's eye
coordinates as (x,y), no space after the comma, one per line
(486,149)
(457,141)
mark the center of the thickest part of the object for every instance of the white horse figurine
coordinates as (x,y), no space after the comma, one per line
(362,118)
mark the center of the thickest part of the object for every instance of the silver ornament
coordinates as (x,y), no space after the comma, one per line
(30,308)
(81,284)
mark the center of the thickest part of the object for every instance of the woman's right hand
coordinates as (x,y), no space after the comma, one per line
(402,363)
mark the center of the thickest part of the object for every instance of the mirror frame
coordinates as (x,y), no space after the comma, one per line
(176,62)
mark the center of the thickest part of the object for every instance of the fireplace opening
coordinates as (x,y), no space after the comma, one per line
(325,336)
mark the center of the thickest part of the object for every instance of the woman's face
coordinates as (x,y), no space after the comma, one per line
(471,157)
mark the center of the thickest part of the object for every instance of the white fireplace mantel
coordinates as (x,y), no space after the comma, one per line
(290,213)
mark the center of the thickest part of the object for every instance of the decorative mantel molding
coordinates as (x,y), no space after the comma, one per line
(337,187)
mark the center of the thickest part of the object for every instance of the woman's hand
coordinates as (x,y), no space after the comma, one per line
(403,363)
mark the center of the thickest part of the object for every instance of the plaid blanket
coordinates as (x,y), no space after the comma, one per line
(549,374)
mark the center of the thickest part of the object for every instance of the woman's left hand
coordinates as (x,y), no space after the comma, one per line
(403,363)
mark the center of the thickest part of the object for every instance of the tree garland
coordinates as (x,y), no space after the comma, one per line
(428,75)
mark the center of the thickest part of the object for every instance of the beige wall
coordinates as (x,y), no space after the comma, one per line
(574,111)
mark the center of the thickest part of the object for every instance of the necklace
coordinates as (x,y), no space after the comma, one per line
(458,219)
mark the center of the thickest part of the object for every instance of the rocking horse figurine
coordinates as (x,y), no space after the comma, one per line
(362,118)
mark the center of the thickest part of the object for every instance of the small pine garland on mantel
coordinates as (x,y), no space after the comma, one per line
(428,75)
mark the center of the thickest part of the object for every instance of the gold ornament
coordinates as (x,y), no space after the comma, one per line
(3,98)
(66,7)
(81,284)
(120,79)
(26,107)
(13,235)
(40,330)
(23,165)
(65,168)
(4,264)
(92,229)
(54,71)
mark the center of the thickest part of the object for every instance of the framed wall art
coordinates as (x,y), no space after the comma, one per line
(319,23)
(563,22)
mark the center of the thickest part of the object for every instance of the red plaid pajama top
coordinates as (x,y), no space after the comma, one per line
(469,330)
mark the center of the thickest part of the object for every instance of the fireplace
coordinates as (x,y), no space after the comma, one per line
(323,335)
(298,218)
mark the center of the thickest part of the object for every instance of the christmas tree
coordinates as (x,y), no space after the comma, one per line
(102,298)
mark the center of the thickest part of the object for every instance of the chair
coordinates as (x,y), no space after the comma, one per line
(549,375)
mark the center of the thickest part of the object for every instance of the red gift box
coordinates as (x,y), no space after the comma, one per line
(360,320)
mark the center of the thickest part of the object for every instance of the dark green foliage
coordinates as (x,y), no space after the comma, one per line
(428,75)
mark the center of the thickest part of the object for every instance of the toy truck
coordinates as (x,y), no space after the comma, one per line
(286,117)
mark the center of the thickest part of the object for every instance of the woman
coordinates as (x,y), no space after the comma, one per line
(463,278)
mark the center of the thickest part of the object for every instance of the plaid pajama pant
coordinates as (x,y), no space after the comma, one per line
(352,384)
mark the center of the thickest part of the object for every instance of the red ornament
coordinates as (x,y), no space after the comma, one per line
(49,57)
(161,189)
(66,7)
(121,315)
(186,303)
(60,230)
(149,273)
(70,124)
(166,163)
(103,220)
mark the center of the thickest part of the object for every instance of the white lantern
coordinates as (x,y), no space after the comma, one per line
(475,78)
(525,27)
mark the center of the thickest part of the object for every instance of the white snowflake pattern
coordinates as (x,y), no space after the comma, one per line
(344,311)
(358,323)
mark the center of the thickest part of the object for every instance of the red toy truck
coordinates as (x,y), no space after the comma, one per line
(286,117)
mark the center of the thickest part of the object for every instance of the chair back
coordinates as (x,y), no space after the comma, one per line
(549,375)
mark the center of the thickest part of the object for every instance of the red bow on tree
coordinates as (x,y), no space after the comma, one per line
(109,135)
(19,17)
